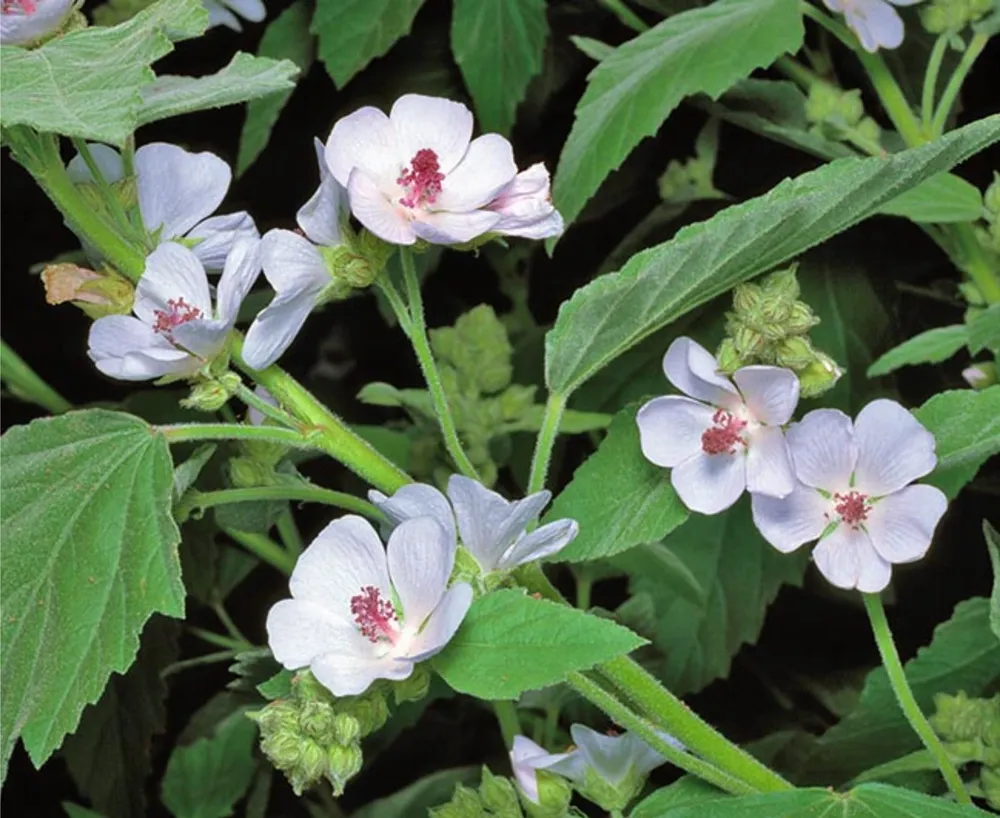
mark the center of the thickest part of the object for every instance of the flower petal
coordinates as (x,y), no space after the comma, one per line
(292,263)
(374,210)
(769,464)
(441,227)
(790,521)
(670,429)
(606,755)
(365,140)
(416,500)
(525,758)
(710,483)
(178,189)
(242,267)
(694,371)
(320,217)
(299,631)
(901,525)
(217,236)
(47,17)
(770,392)
(252,10)
(876,23)
(202,338)
(219,15)
(894,449)
(543,542)
(432,122)
(275,327)
(107,159)
(172,272)
(848,560)
(485,170)
(823,449)
(442,623)
(420,555)
(525,206)
(125,348)
(354,675)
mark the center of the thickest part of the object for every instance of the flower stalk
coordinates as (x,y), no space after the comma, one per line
(202,500)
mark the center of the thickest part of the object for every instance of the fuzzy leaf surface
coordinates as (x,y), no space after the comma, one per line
(929,347)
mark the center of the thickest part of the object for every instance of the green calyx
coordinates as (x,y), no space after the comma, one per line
(944,16)
(610,796)
(554,795)
(496,797)
(212,394)
(96,293)
(354,264)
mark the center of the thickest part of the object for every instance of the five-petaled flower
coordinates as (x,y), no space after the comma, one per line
(875,22)
(23,22)
(360,612)
(174,331)
(492,528)
(855,496)
(418,174)
(723,438)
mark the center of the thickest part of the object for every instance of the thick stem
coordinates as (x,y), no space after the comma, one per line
(554,408)
(422,346)
(904,695)
(510,724)
(931,80)
(266,549)
(950,93)
(24,382)
(253,401)
(201,500)
(893,100)
(188,432)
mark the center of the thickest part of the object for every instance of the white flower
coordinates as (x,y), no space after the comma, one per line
(360,612)
(492,528)
(526,758)
(727,439)
(875,22)
(224,12)
(525,206)
(415,174)
(854,494)
(175,331)
(178,191)
(295,268)
(25,21)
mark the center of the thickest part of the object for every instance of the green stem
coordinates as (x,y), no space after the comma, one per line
(187,432)
(649,733)
(672,715)
(550,726)
(904,695)
(422,346)
(931,81)
(227,621)
(303,492)
(220,641)
(111,200)
(584,583)
(554,407)
(838,30)
(275,413)
(628,17)
(266,549)
(797,72)
(198,661)
(24,382)
(510,724)
(893,99)
(289,532)
(950,93)
(399,308)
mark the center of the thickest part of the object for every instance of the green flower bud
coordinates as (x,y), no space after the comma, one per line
(370,710)
(348,268)
(346,729)
(414,687)
(343,763)
(467,568)
(959,718)
(747,298)
(980,376)
(464,803)
(611,797)
(96,293)
(800,319)
(819,376)
(212,395)
(728,358)
(279,716)
(748,342)
(284,750)
(822,103)
(245,472)
(991,198)
(869,130)
(989,780)
(781,285)
(554,795)
(498,795)
(851,108)
(953,15)
(316,720)
(795,353)
(311,766)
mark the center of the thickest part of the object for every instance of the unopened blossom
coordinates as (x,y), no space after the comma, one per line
(491,528)
(854,494)
(27,21)
(295,267)
(418,174)
(360,612)
(525,206)
(526,758)
(175,331)
(875,22)
(722,438)
(228,12)
(178,191)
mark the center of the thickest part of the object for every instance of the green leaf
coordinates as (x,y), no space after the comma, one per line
(499,46)
(930,347)
(632,91)
(76,811)
(87,539)
(595,49)
(941,199)
(416,799)
(205,779)
(993,546)
(89,83)
(984,331)
(504,646)
(966,425)
(685,792)
(352,33)
(187,472)
(645,507)
(963,655)
(109,754)
(286,37)
(246,77)
(616,311)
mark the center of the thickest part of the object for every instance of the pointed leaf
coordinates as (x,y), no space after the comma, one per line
(930,347)
(993,546)
(941,199)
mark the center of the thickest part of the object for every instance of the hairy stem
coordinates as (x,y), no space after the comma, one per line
(950,93)
(24,382)
(554,407)
(188,432)
(304,493)
(264,548)
(931,81)
(510,724)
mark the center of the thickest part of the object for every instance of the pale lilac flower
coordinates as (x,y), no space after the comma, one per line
(175,331)
(178,192)
(418,174)
(296,269)
(360,612)
(228,12)
(855,496)
(26,21)
(492,529)
(723,438)
(875,22)
(525,206)
(526,758)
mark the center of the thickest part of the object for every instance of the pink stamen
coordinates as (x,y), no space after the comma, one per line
(19,7)
(852,507)
(179,312)
(422,180)
(374,615)
(725,435)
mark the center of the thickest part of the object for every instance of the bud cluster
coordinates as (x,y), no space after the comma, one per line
(495,798)
(839,114)
(354,264)
(970,730)
(944,16)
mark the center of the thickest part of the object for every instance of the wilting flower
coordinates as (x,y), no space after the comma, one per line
(297,270)
(360,612)
(26,21)
(855,496)
(418,174)
(492,528)
(227,12)
(723,438)
(876,22)
(174,331)
(178,191)
(525,206)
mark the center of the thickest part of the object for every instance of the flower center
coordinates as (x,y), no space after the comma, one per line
(19,7)
(178,312)
(725,435)
(852,507)
(376,617)
(422,180)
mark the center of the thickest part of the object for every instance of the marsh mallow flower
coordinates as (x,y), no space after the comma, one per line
(854,494)
(228,12)
(492,529)
(360,612)
(875,22)
(26,21)
(525,206)
(175,331)
(526,759)
(722,438)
